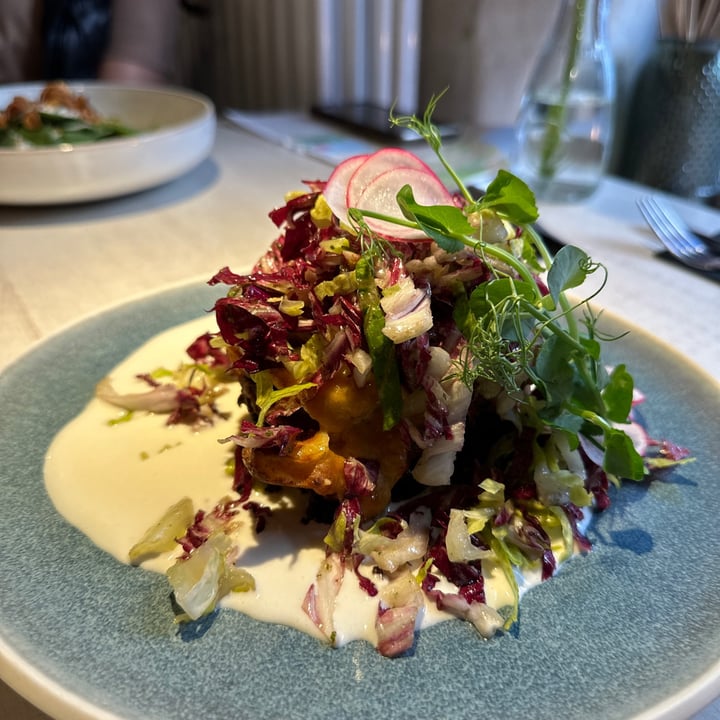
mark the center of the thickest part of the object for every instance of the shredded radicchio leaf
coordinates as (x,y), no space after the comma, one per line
(252,436)
(357,357)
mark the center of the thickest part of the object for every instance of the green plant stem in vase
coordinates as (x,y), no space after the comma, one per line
(557,113)
(565,126)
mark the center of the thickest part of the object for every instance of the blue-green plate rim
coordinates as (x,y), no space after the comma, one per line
(632,629)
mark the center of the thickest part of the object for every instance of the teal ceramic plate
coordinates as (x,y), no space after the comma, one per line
(631,629)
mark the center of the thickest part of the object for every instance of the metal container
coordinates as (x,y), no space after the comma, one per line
(673,137)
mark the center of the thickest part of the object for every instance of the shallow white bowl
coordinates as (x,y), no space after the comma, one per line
(176,132)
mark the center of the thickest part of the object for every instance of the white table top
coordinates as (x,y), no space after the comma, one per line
(58,265)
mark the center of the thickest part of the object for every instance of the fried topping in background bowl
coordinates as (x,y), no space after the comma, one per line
(58,116)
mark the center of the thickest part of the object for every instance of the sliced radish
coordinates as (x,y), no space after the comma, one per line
(377,164)
(380,196)
(594,453)
(639,436)
(335,190)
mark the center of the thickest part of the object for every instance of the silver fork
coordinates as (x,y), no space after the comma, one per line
(677,238)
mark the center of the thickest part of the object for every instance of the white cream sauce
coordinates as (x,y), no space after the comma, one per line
(113,482)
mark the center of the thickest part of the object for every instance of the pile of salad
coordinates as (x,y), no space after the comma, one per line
(409,359)
(59,116)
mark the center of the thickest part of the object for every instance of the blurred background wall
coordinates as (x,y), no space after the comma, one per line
(288,54)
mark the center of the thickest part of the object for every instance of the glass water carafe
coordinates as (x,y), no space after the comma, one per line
(565,125)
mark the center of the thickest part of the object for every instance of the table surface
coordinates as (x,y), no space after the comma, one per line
(58,265)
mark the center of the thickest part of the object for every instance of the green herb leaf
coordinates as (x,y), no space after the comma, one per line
(617,395)
(554,371)
(439,222)
(621,458)
(569,270)
(591,346)
(510,198)
(500,290)
(563,420)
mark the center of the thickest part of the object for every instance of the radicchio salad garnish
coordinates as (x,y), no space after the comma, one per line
(408,358)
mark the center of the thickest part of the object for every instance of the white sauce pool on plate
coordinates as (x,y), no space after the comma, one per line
(112,482)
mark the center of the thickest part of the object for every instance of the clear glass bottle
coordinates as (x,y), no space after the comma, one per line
(566,121)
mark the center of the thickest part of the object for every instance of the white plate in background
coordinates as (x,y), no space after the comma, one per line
(176,131)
